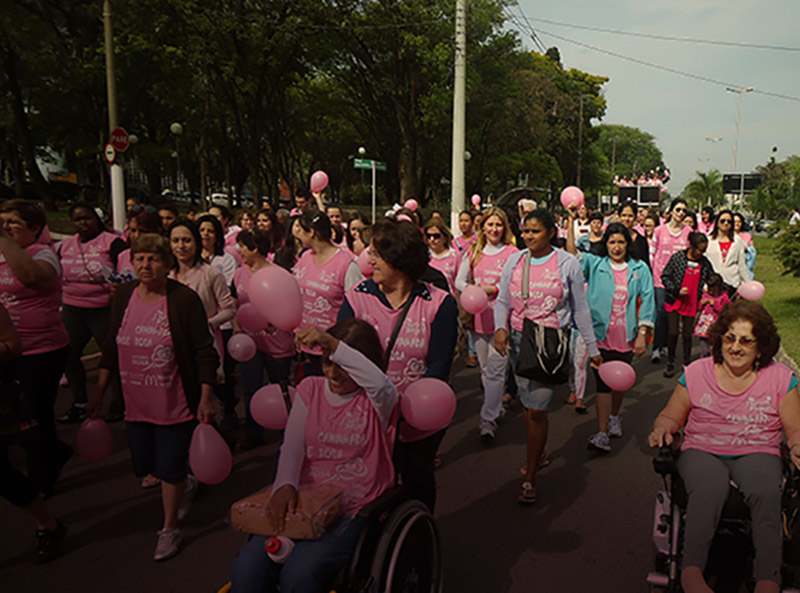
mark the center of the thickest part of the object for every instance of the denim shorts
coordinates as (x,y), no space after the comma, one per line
(532,394)
(160,450)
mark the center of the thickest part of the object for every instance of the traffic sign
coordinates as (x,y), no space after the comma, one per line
(120,140)
(110,153)
(367,164)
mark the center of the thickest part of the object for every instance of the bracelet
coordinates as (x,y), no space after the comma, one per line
(643,332)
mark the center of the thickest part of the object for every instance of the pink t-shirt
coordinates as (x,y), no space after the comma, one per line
(709,313)
(686,304)
(487,273)
(409,357)
(447,265)
(722,423)
(35,313)
(616,337)
(462,245)
(278,343)
(322,288)
(666,244)
(124,263)
(86,268)
(346,445)
(148,371)
(544,293)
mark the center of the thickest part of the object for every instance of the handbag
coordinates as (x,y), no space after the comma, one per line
(17,422)
(543,351)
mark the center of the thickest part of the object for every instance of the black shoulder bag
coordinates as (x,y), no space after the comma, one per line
(403,312)
(544,351)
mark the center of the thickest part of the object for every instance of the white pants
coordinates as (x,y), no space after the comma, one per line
(493,374)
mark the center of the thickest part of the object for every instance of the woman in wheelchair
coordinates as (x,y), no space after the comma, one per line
(341,430)
(732,407)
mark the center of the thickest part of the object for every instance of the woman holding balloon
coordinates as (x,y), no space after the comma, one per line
(160,346)
(417,324)
(274,347)
(556,298)
(614,283)
(478,280)
(324,272)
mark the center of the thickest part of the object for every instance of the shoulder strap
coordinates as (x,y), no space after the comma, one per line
(526,275)
(399,323)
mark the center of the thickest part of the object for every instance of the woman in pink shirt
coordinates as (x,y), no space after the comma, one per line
(88,260)
(324,272)
(483,267)
(341,431)
(275,346)
(267,221)
(444,258)
(30,275)
(160,346)
(733,408)
(468,235)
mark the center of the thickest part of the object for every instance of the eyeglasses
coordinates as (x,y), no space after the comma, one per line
(744,342)
(680,209)
(725,221)
(433,236)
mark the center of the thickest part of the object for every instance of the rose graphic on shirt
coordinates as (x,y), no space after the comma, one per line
(321,305)
(415,327)
(9,300)
(414,369)
(352,469)
(355,420)
(160,357)
(706,400)
(326,277)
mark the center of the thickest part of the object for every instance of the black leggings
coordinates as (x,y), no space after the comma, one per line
(687,325)
(415,462)
(14,485)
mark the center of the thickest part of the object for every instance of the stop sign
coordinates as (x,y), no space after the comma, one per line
(120,140)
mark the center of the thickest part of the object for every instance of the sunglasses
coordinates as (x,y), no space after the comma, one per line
(680,209)
(730,340)
(433,236)
(725,221)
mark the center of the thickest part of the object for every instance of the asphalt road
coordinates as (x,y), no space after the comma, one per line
(588,531)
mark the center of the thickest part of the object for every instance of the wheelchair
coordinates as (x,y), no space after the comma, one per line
(730,559)
(397,551)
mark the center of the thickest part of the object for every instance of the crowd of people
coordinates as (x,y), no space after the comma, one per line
(161,301)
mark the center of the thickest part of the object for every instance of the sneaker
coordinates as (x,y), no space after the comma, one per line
(169,540)
(487,430)
(656,356)
(600,442)
(614,426)
(75,414)
(669,372)
(188,496)
(471,362)
(47,543)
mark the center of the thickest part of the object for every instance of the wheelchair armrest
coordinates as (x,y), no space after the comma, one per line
(664,462)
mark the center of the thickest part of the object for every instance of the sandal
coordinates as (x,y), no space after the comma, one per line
(527,494)
(580,407)
(150,481)
(571,398)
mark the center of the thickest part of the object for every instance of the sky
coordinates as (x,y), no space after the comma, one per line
(682,112)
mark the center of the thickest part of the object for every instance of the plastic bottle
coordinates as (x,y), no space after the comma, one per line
(278,548)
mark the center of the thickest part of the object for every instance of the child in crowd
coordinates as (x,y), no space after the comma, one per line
(711,303)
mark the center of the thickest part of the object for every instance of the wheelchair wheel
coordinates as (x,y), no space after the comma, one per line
(407,558)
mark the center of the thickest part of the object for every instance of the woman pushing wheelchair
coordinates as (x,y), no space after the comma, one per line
(732,407)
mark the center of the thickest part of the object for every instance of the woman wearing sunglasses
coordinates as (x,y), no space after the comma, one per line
(726,251)
(733,408)
(668,239)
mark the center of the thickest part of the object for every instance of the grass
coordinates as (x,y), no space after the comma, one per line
(782,297)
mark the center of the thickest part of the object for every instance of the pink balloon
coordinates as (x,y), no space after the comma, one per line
(209,457)
(474,299)
(428,404)
(319,181)
(363,263)
(751,291)
(276,296)
(250,319)
(618,375)
(268,407)
(411,204)
(235,253)
(476,200)
(404,217)
(571,195)
(94,440)
(241,347)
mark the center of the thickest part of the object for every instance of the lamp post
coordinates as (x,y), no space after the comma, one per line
(738,92)
(176,130)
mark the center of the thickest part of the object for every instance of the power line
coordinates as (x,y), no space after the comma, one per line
(671,38)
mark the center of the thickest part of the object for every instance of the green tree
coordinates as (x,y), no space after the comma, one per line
(704,189)
(627,151)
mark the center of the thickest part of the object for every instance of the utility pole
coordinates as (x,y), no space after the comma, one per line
(117,177)
(580,142)
(738,92)
(457,199)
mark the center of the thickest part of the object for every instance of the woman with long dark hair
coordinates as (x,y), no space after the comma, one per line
(726,251)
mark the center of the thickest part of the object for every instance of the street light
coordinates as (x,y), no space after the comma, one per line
(177,129)
(738,92)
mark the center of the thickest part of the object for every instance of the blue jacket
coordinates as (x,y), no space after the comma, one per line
(600,294)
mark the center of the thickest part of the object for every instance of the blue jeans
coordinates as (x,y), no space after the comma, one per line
(253,378)
(531,394)
(662,326)
(310,567)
